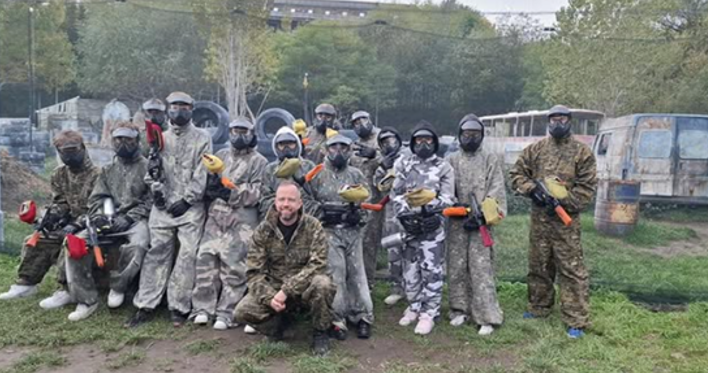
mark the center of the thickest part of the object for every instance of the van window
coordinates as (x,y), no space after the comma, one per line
(604,143)
(655,144)
(692,138)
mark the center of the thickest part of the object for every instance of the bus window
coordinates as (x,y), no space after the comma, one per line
(592,127)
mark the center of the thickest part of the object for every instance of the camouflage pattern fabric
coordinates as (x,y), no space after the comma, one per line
(271,182)
(298,269)
(555,249)
(185,178)
(470,265)
(346,258)
(123,181)
(316,150)
(124,254)
(423,256)
(70,191)
(221,262)
(373,229)
(392,226)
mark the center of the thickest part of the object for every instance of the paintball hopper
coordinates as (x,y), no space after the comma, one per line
(28,212)
(354,193)
(153,133)
(386,182)
(556,187)
(300,127)
(216,166)
(331,133)
(420,197)
(287,168)
(490,210)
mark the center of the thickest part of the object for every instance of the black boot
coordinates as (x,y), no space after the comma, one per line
(141,317)
(338,333)
(320,343)
(178,318)
(363,330)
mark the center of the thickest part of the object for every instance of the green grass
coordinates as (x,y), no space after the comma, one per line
(329,364)
(36,361)
(619,264)
(204,346)
(127,359)
(245,365)
(15,233)
(674,213)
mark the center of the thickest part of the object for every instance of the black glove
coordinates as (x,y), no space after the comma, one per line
(411,225)
(100,222)
(538,197)
(388,161)
(122,223)
(430,223)
(178,208)
(470,224)
(352,217)
(70,229)
(366,152)
(218,192)
(213,181)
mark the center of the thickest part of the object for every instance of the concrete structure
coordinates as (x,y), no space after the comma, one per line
(83,115)
(298,12)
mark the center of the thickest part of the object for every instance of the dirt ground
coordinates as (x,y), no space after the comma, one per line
(697,246)
(19,184)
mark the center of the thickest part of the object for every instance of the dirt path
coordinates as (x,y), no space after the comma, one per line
(697,246)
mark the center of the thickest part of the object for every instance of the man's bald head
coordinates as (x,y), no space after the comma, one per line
(288,202)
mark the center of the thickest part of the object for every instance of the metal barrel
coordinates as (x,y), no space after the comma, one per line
(617,207)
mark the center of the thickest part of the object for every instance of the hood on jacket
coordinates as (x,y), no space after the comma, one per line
(389,129)
(424,125)
(282,131)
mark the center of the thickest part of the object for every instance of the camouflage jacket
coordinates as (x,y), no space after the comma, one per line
(569,159)
(479,173)
(245,169)
(71,190)
(315,150)
(326,185)
(368,166)
(274,265)
(413,172)
(123,181)
(185,175)
(271,182)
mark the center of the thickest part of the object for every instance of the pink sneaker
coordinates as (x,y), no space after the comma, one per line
(408,318)
(425,325)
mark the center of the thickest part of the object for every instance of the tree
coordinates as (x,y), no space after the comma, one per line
(239,54)
(342,70)
(133,52)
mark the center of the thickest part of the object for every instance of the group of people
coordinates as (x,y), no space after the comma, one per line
(255,242)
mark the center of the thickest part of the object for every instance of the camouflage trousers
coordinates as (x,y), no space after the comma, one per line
(395,258)
(161,272)
(124,257)
(220,281)
(36,261)
(371,242)
(317,299)
(556,252)
(470,270)
(423,259)
(345,263)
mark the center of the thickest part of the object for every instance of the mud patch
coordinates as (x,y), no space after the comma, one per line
(19,184)
(694,247)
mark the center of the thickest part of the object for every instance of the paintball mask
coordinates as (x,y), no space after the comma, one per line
(126,142)
(72,156)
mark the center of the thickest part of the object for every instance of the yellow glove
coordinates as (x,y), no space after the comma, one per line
(420,197)
(386,182)
(556,187)
(490,210)
(287,168)
(300,127)
(330,133)
(354,193)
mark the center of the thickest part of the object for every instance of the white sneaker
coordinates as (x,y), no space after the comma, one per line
(393,299)
(115,299)
(249,330)
(408,318)
(486,330)
(19,291)
(220,325)
(83,311)
(201,319)
(425,325)
(60,298)
(458,320)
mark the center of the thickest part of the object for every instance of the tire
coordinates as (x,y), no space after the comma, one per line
(213,118)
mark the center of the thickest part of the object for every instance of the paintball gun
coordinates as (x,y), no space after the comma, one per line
(474,213)
(93,242)
(216,166)
(554,203)
(48,222)
(109,209)
(155,169)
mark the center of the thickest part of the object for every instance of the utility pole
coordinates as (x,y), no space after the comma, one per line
(30,71)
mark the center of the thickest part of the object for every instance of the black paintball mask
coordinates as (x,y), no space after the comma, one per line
(424,144)
(389,143)
(287,146)
(363,127)
(126,142)
(471,135)
(72,155)
(180,114)
(559,126)
(156,116)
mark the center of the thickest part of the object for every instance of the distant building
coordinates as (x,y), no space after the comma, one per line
(298,12)
(79,114)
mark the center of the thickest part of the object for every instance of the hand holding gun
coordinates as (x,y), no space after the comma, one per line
(542,192)
(473,213)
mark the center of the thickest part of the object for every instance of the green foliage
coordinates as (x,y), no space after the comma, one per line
(132,52)
(36,361)
(15,233)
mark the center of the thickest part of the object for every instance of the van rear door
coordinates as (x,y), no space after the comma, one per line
(691,159)
(652,158)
